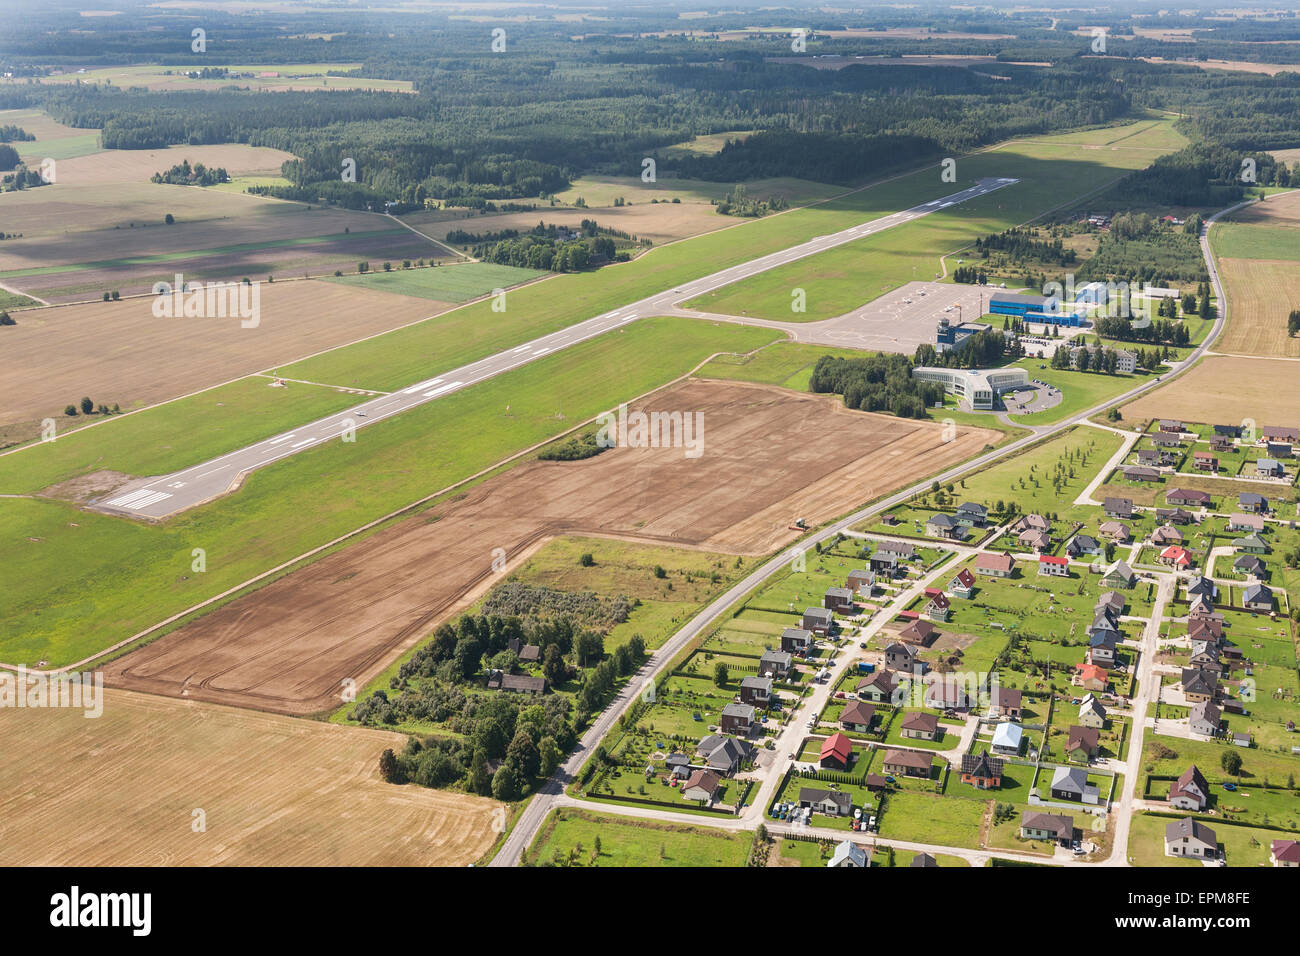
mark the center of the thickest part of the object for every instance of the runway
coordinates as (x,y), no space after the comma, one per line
(167,495)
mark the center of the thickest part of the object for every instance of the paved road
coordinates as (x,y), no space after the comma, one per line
(169,494)
(526,827)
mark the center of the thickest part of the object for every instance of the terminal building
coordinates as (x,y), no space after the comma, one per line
(950,337)
(978,388)
(1035,308)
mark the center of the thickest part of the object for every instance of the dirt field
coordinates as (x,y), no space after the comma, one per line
(769,456)
(121,790)
(137,165)
(120,353)
(1261,293)
(659,222)
(1226,388)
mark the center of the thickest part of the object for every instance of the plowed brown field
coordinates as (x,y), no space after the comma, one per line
(769,456)
(122,789)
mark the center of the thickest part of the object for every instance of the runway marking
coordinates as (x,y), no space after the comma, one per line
(152,499)
(126,500)
(442,388)
(282,438)
(420,385)
(301,443)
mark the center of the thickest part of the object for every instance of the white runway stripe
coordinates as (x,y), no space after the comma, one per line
(419,385)
(148,500)
(126,500)
(440,389)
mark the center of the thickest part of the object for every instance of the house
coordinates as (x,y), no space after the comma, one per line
(1167,535)
(963,585)
(847,853)
(1092,713)
(925,859)
(1190,837)
(1118,575)
(1178,516)
(1241,738)
(1154,457)
(678,765)
(907,763)
(1171,426)
(839,600)
(1167,440)
(1051,565)
(1279,433)
(943,526)
(1007,739)
(1119,508)
(836,752)
(1205,461)
(1282,853)
(1242,521)
(530,654)
(1082,743)
(1251,564)
(1186,496)
(972,515)
(1199,684)
(1032,522)
(1220,444)
(885,564)
(737,719)
(950,693)
(1117,531)
(900,657)
(756,691)
(857,716)
(1046,826)
(702,785)
(1258,597)
(919,726)
(516,683)
(819,620)
(995,565)
(981,771)
(1035,540)
(1190,791)
(1071,783)
(901,550)
(878,686)
(833,803)
(1112,602)
(1091,677)
(1101,648)
(796,640)
(725,755)
(1252,502)
(776,664)
(1082,544)
(1205,655)
(1008,703)
(1205,628)
(1269,468)
(1204,719)
(1227,431)
(1251,544)
(1140,473)
(919,632)
(938,607)
(1176,556)
(861,581)
(1277,449)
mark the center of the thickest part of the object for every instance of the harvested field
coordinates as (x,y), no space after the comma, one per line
(118,352)
(121,790)
(1226,388)
(137,165)
(658,222)
(1260,293)
(769,456)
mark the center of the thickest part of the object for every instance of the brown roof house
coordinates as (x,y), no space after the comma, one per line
(919,632)
(702,785)
(1046,826)
(1081,743)
(908,763)
(857,716)
(995,565)
(919,725)
(1190,791)
(1007,702)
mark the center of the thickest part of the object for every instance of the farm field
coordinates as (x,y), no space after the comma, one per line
(841,279)
(1260,293)
(660,222)
(627,841)
(603,190)
(287,646)
(53,139)
(275,791)
(1225,388)
(458,284)
(296,76)
(127,576)
(120,353)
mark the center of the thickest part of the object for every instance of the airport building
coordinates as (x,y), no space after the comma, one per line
(1035,308)
(980,388)
(950,337)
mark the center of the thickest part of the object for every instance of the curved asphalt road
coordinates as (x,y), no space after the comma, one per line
(169,494)
(530,821)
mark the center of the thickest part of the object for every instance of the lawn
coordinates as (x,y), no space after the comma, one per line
(90,579)
(1241,845)
(452,283)
(632,842)
(918,817)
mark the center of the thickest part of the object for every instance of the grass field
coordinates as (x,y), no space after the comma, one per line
(628,841)
(1225,388)
(841,279)
(90,579)
(123,790)
(458,283)
(1240,845)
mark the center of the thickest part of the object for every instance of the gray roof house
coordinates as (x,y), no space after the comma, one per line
(1190,837)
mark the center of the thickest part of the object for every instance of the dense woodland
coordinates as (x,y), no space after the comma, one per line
(558,103)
